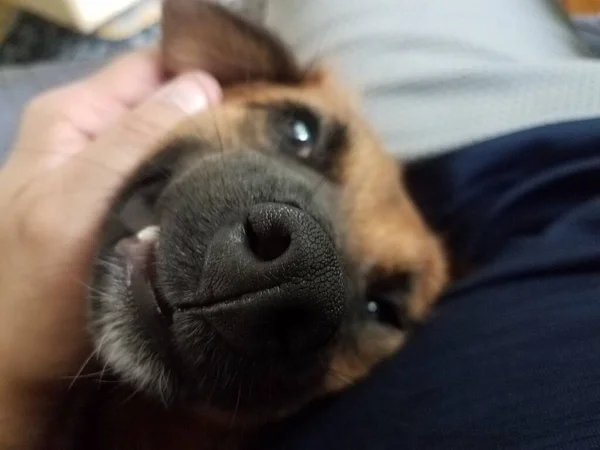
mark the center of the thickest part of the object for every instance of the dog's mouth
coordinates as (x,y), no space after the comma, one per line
(139,255)
(278,338)
(271,301)
(234,294)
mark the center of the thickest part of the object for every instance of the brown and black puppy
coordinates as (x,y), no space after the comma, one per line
(280,260)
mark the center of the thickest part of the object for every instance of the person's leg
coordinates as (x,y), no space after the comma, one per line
(509,360)
(439,74)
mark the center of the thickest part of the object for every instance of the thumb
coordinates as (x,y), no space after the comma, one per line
(114,156)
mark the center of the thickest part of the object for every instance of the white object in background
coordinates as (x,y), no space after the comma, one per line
(84,16)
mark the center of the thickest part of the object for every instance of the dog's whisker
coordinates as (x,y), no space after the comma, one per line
(103,372)
(163,399)
(340,376)
(318,186)
(236,409)
(89,287)
(130,397)
(82,376)
(78,375)
(94,353)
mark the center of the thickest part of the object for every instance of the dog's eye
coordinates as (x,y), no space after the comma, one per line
(385,300)
(303,133)
(301,129)
(383,311)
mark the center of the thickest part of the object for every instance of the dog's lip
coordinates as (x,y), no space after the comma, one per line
(139,252)
(137,249)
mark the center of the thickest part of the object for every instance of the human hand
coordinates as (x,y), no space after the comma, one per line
(76,148)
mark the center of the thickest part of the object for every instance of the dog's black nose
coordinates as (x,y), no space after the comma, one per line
(274,284)
(268,229)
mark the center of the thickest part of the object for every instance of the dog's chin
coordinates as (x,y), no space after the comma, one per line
(177,358)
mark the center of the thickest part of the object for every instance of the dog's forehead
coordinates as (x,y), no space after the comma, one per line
(237,123)
(320,90)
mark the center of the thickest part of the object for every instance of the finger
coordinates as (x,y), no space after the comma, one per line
(68,117)
(130,79)
(135,137)
(97,174)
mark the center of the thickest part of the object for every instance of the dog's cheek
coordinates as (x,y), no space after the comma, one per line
(353,361)
(386,231)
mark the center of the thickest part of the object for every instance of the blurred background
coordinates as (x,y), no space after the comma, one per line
(34,31)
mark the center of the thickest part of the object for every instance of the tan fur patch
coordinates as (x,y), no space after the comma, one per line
(350,365)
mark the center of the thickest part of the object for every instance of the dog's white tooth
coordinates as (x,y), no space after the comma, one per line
(149,233)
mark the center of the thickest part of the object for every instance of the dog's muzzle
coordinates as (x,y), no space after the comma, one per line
(269,278)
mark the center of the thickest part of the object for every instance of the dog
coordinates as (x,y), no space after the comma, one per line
(276,257)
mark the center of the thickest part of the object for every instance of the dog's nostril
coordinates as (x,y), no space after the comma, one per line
(267,243)
(268,230)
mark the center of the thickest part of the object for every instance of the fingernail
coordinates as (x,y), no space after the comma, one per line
(188,92)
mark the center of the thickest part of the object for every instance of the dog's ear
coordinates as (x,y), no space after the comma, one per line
(202,35)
